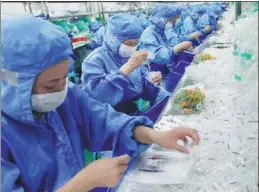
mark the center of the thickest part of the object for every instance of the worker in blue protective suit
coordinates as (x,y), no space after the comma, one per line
(223,5)
(113,73)
(190,23)
(217,9)
(174,37)
(143,18)
(154,40)
(98,30)
(47,123)
(183,12)
(202,21)
(214,14)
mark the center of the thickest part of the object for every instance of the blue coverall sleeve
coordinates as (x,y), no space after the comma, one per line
(162,54)
(112,88)
(188,26)
(205,20)
(9,173)
(172,37)
(101,123)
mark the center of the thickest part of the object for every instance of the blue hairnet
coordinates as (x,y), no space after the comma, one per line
(194,15)
(216,8)
(201,10)
(122,27)
(179,10)
(30,46)
(161,14)
(94,25)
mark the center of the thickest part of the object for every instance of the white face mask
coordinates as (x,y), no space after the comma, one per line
(168,25)
(126,51)
(49,101)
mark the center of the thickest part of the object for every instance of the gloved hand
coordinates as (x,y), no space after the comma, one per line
(168,139)
(100,173)
(219,26)
(207,28)
(137,59)
(195,35)
(156,77)
(182,46)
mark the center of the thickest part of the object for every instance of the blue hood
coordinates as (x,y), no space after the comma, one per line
(161,14)
(29,46)
(179,10)
(94,26)
(201,10)
(215,9)
(194,15)
(185,12)
(118,31)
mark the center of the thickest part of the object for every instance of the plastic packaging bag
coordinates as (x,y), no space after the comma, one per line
(190,99)
(203,57)
(159,169)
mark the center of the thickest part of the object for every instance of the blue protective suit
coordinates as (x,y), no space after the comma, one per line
(212,16)
(173,35)
(101,76)
(98,30)
(43,154)
(189,24)
(154,39)
(203,20)
(143,18)
(217,9)
(184,11)
(174,38)
(223,5)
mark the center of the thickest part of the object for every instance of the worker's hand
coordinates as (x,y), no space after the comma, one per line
(182,46)
(168,139)
(219,26)
(157,77)
(137,59)
(100,173)
(195,35)
(207,28)
(107,172)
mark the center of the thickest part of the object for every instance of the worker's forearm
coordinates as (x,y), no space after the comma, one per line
(126,69)
(145,135)
(194,35)
(177,48)
(78,183)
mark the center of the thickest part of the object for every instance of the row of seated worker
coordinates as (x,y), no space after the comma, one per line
(192,22)
(189,19)
(117,72)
